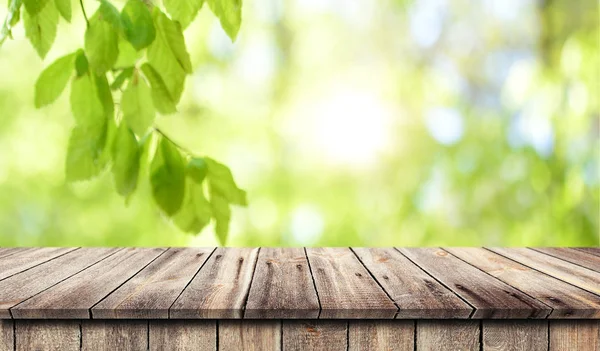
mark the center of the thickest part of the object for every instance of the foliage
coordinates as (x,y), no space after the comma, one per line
(133,65)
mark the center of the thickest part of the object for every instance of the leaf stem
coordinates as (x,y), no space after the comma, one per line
(87,21)
(157,130)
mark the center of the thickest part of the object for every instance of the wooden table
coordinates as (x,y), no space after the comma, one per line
(296,298)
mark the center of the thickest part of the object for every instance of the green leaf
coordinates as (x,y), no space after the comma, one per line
(128,55)
(101,44)
(138,23)
(85,152)
(160,94)
(136,104)
(221,182)
(82,66)
(197,169)
(222,214)
(168,54)
(167,177)
(40,28)
(229,13)
(121,78)
(196,211)
(53,80)
(109,14)
(126,160)
(105,95)
(34,7)
(183,11)
(86,106)
(64,8)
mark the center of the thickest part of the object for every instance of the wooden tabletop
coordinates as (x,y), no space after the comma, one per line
(292,283)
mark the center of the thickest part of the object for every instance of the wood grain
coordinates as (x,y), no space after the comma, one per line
(6,335)
(221,287)
(581,258)
(112,335)
(256,335)
(42,335)
(150,293)
(583,335)
(73,298)
(490,297)
(566,300)
(7,251)
(591,250)
(282,286)
(415,292)
(26,259)
(447,335)
(314,335)
(566,271)
(515,335)
(183,335)
(383,335)
(21,286)
(345,288)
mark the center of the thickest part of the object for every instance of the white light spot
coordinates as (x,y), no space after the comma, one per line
(307,225)
(445,125)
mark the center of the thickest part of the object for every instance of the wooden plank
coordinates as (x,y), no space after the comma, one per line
(7,251)
(581,258)
(415,292)
(571,273)
(7,335)
(282,286)
(22,286)
(256,335)
(150,293)
(447,335)
(114,335)
(591,250)
(44,335)
(490,297)
(381,335)
(315,335)
(345,288)
(566,300)
(183,335)
(73,298)
(221,287)
(515,335)
(26,259)
(582,335)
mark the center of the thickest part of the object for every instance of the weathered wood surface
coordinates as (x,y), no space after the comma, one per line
(256,335)
(28,258)
(126,335)
(345,287)
(491,297)
(363,335)
(315,335)
(74,297)
(183,335)
(566,300)
(389,335)
(446,335)
(591,250)
(582,277)
(574,335)
(221,287)
(582,258)
(415,292)
(515,335)
(297,283)
(150,293)
(20,287)
(41,335)
(282,286)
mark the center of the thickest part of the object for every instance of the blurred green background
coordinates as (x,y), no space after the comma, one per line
(349,122)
